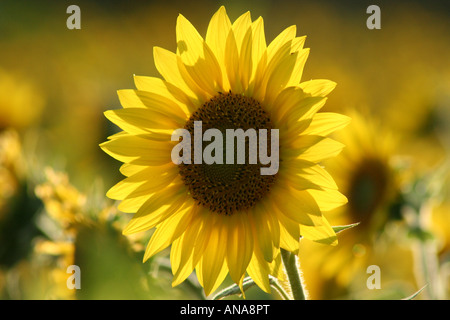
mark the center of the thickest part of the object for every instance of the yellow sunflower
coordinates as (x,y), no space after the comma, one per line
(369,175)
(366,172)
(227,218)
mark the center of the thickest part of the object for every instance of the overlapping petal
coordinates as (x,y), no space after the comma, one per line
(232,57)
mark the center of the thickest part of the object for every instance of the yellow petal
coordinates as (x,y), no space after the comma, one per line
(279,71)
(151,179)
(322,150)
(257,86)
(297,44)
(197,57)
(328,199)
(273,76)
(262,230)
(298,182)
(232,63)
(323,233)
(297,72)
(305,110)
(239,245)
(159,105)
(318,87)
(180,257)
(324,123)
(216,37)
(128,169)
(259,41)
(167,232)
(138,150)
(293,104)
(310,171)
(241,27)
(117,135)
(284,37)
(166,89)
(273,223)
(258,270)
(141,121)
(201,94)
(289,234)
(316,229)
(131,205)
(184,256)
(166,63)
(246,59)
(212,265)
(189,41)
(285,68)
(159,206)
(276,268)
(297,205)
(298,146)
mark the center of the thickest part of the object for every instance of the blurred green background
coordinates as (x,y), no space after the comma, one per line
(55,84)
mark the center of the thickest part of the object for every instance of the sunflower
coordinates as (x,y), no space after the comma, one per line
(369,173)
(227,218)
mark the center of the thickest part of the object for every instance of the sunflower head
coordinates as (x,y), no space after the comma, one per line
(369,174)
(221,215)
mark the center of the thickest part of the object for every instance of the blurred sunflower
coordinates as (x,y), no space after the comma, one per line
(21,104)
(227,218)
(440,226)
(369,174)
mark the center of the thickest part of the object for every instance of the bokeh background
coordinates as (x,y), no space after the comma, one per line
(55,84)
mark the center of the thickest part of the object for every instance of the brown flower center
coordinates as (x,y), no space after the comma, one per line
(228,188)
(367,189)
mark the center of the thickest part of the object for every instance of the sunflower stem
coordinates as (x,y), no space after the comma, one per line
(248,282)
(425,256)
(291,266)
(234,289)
(278,288)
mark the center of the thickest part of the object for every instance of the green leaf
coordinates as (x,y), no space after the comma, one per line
(338,229)
(414,294)
(420,234)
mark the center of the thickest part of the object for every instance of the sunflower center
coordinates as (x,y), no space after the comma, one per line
(368,187)
(227,188)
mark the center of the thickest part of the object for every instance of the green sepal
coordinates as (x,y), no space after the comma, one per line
(338,229)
